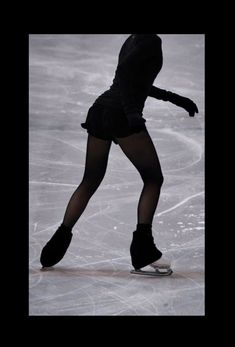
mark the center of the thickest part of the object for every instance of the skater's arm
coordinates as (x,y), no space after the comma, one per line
(133,115)
(158,93)
(127,68)
(175,99)
(125,80)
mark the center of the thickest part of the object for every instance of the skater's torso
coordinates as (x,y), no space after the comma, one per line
(139,62)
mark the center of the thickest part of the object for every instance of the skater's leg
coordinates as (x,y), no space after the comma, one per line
(95,168)
(140,149)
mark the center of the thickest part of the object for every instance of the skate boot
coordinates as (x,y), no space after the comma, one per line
(144,252)
(56,247)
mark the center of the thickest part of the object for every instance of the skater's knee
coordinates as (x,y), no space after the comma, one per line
(92,181)
(160,179)
(154,177)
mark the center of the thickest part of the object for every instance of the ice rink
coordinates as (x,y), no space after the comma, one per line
(66,74)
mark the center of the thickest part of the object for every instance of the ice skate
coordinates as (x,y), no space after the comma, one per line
(145,253)
(56,247)
(156,272)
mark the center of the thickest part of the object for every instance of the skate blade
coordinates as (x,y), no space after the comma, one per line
(46,268)
(168,272)
(160,267)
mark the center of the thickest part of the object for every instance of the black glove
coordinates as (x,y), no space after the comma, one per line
(183,102)
(135,121)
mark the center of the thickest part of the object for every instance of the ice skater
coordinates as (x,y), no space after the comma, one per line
(117,116)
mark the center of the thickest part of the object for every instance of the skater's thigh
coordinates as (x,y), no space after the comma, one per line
(97,153)
(139,148)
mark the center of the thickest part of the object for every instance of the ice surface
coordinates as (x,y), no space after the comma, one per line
(66,73)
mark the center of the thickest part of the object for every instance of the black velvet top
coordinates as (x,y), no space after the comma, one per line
(139,62)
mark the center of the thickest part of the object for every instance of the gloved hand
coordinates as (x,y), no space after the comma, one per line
(135,120)
(183,102)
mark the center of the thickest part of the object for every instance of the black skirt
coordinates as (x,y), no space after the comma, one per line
(108,123)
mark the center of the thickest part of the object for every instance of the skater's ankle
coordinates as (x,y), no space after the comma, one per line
(66,228)
(143,227)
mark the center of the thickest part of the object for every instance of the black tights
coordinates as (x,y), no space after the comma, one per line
(140,150)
